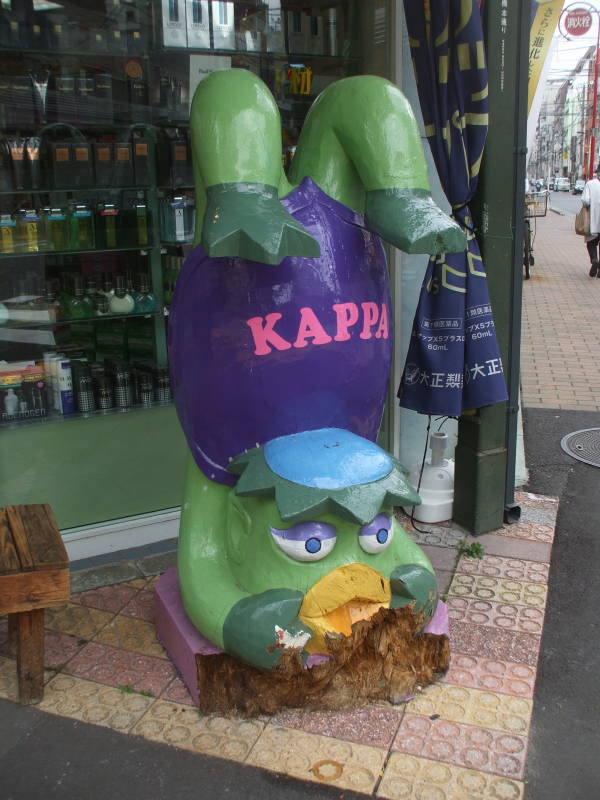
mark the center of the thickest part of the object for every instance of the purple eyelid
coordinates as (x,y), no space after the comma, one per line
(380,521)
(306,530)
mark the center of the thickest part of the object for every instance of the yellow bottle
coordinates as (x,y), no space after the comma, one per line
(7,233)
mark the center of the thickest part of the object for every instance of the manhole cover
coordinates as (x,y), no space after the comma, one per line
(583,445)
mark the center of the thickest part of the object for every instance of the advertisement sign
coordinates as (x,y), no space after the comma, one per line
(545,16)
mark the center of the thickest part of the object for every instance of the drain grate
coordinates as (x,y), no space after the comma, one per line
(583,445)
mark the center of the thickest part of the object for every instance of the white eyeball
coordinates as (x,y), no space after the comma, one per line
(306,541)
(377,535)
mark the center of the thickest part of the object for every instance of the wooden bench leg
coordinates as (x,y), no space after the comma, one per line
(12,635)
(30,655)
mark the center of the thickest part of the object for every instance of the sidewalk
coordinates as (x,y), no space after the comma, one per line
(561,334)
(463,738)
(116,719)
(561,394)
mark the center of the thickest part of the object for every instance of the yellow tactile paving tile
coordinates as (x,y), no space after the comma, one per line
(77,620)
(137,583)
(183,726)
(129,633)
(8,678)
(412,778)
(482,587)
(499,712)
(92,702)
(311,757)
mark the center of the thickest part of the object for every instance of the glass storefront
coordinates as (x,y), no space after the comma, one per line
(97,215)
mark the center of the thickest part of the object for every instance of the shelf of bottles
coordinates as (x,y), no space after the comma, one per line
(97,204)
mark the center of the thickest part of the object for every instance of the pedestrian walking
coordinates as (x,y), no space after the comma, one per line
(591,198)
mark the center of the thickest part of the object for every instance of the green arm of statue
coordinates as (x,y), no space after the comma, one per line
(360,143)
(255,628)
(236,145)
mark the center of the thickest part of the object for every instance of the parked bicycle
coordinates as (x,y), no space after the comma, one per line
(536,205)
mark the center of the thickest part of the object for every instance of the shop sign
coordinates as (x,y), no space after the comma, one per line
(576,22)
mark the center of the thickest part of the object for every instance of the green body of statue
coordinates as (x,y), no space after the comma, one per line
(242,582)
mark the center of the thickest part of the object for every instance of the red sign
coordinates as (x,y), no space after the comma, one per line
(577,22)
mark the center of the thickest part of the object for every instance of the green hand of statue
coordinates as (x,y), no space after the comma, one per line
(259,627)
(412,583)
(411,221)
(246,220)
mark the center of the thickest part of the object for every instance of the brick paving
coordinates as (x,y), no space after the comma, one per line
(560,334)
(464,738)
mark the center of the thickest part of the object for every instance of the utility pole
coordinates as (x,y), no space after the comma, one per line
(595,101)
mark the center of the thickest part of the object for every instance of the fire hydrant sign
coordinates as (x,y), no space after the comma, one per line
(577,21)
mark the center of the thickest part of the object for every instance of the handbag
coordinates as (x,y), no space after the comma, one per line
(582,221)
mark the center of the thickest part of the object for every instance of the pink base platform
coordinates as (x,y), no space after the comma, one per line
(183,641)
(176,633)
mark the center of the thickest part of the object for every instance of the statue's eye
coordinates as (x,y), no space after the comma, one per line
(306,541)
(377,535)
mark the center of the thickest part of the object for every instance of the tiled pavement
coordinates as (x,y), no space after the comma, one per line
(560,321)
(464,738)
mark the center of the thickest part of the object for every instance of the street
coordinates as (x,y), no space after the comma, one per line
(565,202)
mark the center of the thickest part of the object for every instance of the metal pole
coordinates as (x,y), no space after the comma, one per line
(515,286)
(594,105)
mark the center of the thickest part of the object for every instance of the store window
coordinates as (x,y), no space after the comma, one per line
(96,188)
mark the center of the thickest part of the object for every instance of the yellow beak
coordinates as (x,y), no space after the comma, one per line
(341,598)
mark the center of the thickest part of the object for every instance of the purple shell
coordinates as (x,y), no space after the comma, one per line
(241,376)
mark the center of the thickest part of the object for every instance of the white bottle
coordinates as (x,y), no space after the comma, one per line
(121,302)
(11,402)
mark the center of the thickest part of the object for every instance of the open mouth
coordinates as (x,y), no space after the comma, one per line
(346,595)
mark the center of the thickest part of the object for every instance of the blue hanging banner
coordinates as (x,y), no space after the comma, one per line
(453,361)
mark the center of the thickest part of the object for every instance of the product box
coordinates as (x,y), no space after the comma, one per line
(59,167)
(251,30)
(331,32)
(315,38)
(173,23)
(116,40)
(103,94)
(85,96)
(104,164)
(18,159)
(58,32)
(138,97)
(23,396)
(136,40)
(62,100)
(198,24)
(37,37)
(275,39)
(116,12)
(123,164)
(141,161)
(297,32)
(21,108)
(6,178)
(223,25)
(82,171)
(181,163)
(98,40)
(34,163)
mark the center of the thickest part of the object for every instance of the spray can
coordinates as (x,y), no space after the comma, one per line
(65,383)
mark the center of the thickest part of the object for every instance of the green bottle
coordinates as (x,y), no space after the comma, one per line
(108,213)
(141,211)
(82,228)
(57,229)
(79,305)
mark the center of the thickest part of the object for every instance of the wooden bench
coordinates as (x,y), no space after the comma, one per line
(34,574)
